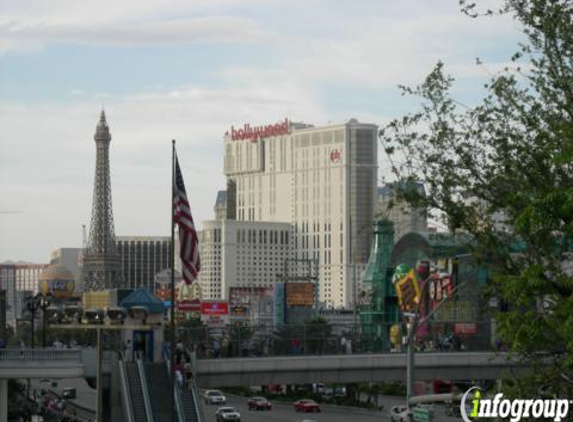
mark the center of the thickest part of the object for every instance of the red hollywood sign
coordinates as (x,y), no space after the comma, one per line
(214,308)
(257,132)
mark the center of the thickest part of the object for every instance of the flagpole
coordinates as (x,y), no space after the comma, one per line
(172,366)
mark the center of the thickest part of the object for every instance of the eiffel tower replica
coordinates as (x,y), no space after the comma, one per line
(101,264)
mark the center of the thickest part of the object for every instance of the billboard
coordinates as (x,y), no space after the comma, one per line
(243,296)
(214,308)
(189,305)
(215,313)
(241,299)
(299,294)
(408,291)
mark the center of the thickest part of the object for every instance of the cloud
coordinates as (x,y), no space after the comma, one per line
(213,29)
(46,168)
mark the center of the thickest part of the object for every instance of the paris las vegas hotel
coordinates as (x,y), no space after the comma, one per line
(293,191)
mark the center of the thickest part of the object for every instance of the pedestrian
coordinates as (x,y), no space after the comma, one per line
(216,348)
(179,378)
(225,347)
(343,344)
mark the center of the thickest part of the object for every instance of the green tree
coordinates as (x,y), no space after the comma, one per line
(502,170)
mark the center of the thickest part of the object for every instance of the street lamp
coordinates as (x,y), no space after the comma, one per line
(33,303)
(44,302)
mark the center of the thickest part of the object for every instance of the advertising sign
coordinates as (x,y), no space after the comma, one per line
(245,295)
(214,308)
(254,133)
(299,294)
(189,305)
(408,291)
(215,313)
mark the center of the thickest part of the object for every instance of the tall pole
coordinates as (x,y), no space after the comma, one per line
(99,408)
(33,314)
(172,284)
(44,328)
(410,363)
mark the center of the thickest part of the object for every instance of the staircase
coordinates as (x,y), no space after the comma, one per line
(135,392)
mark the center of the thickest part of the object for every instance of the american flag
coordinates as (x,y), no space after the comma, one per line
(188,241)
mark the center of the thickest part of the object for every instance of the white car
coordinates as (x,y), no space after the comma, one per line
(214,397)
(399,414)
(227,414)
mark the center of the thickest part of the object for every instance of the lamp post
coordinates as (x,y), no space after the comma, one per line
(44,303)
(33,303)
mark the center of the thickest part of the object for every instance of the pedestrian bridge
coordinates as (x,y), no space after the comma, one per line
(41,363)
(353,368)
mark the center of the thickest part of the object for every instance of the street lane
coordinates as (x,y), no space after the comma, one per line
(286,413)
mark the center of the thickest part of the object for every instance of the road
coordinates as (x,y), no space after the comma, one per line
(284,412)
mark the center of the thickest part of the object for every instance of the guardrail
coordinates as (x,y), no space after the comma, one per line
(70,355)
(328,339)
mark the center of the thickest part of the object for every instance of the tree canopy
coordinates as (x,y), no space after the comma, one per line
(502,170)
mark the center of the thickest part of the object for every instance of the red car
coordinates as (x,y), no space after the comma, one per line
(306,405)
(259,403)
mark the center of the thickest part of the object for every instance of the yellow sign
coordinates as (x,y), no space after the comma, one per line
(408,291)
(299,294)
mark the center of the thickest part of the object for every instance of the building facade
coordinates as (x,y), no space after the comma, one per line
(16,278)
(406,218)
(241,254)
(142,258)
(320,180)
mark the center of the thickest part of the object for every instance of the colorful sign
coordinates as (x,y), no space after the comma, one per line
(214,308)
(245,295)
(408,291)
(258,132)
(335,156)
(59,288)
(189,305)
(299,294)
(440,287)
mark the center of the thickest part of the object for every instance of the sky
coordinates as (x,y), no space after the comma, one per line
(189,70)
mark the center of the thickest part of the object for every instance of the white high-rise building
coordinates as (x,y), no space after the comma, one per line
(319,180)
(241,254)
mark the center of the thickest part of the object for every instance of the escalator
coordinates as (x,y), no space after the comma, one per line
(146,394)
(133,393)
(190,404)
(159,387)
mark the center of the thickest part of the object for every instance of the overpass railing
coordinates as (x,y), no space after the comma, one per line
(326,338)
(69,355)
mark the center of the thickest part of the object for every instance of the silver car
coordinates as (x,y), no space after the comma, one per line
(214,397)
(228,413)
